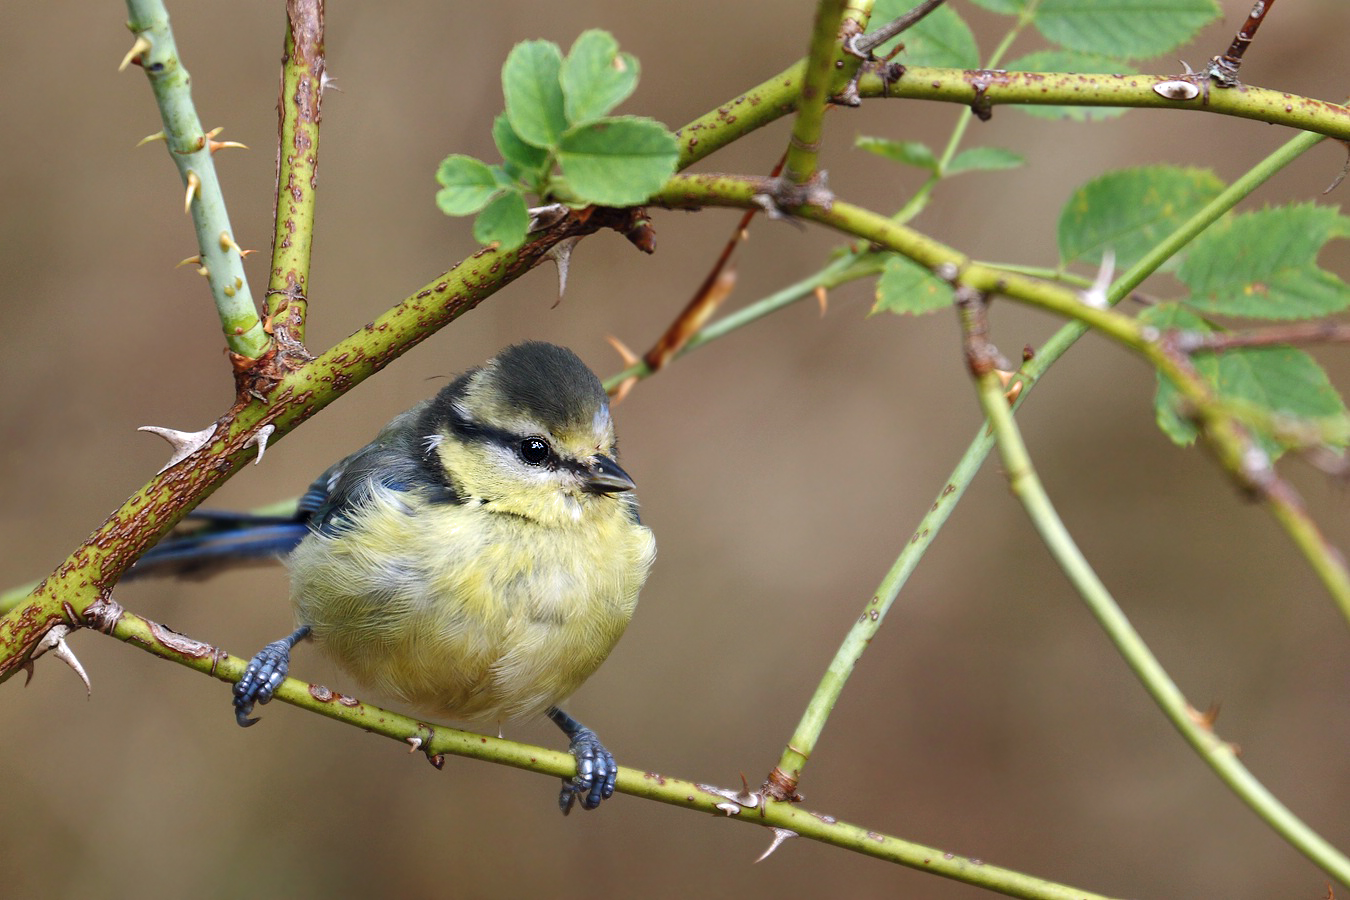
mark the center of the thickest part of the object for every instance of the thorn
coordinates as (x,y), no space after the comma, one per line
(1335,182)
(204,271)
(245,253)
(1010,393)
(1095,296)
(184,443)
(55,640)
(194,188)
(780,835)
(414,744)
(630,359)
(227,243)
(823,298)
(191,260)
(141,45)
(327,83)
(1204,719)
(561,254)
(221,145)
(151,138)
(259,439)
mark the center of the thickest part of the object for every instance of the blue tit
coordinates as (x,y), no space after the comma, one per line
(477,561)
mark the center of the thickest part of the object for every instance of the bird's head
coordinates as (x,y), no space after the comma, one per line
(529,433)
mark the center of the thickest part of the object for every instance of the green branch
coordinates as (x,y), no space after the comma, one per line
(819,74)
(1234,447)
(88,574)
(778,95)
(438,740)
(299,109)
(190,148)
(1198,732)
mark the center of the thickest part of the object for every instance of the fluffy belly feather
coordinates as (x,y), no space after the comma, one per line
(499,618)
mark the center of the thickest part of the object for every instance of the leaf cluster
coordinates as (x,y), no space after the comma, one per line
(558,141)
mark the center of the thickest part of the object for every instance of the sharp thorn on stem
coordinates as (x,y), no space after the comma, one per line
(184,443)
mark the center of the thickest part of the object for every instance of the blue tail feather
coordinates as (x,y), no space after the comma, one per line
(230,540)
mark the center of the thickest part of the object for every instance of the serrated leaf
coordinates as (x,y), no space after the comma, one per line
(505,221)
(1131,210)
(596,77)
(984,159)
(1264,265)
(618,162)
(1075,62)
(1126,29)
(526,159)
(941,38)
(907,288)
(911,153)
(1282,382)
(467,185)
(534,97)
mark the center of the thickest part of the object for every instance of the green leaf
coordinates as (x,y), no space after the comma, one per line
(984,159)
(618,162)
(1264,265)
(596,77)
(1131,210)
(941,38)
(911,153)
(467,185)
(1073,61)
(534,97)
(1277,382)
(505,221)
(1127,29)
(526,159)
(907,288)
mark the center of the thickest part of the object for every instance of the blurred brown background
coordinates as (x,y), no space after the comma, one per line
(782,469)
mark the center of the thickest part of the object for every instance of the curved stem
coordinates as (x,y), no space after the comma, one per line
(1194,727)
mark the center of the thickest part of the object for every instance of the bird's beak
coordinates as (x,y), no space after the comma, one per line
(604,476)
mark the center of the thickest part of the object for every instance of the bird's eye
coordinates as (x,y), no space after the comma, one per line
(534,450)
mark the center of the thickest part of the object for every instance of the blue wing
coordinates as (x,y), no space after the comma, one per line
(212,540)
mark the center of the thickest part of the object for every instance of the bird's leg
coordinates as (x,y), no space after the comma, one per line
(596,769)
(264,673)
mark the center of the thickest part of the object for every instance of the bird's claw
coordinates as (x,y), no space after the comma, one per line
(265,673)
(596,773)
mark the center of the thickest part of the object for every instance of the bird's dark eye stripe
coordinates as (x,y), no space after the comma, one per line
(489,434)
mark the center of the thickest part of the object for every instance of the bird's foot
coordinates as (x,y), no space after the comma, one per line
(264,674)
(596,768)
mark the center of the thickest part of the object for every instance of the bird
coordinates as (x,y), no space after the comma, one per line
(477,560)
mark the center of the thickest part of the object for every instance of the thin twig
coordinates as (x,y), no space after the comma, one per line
(865,44)
(1223,69)
(1295,333)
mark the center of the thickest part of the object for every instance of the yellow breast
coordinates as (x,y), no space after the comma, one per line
(468,613)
